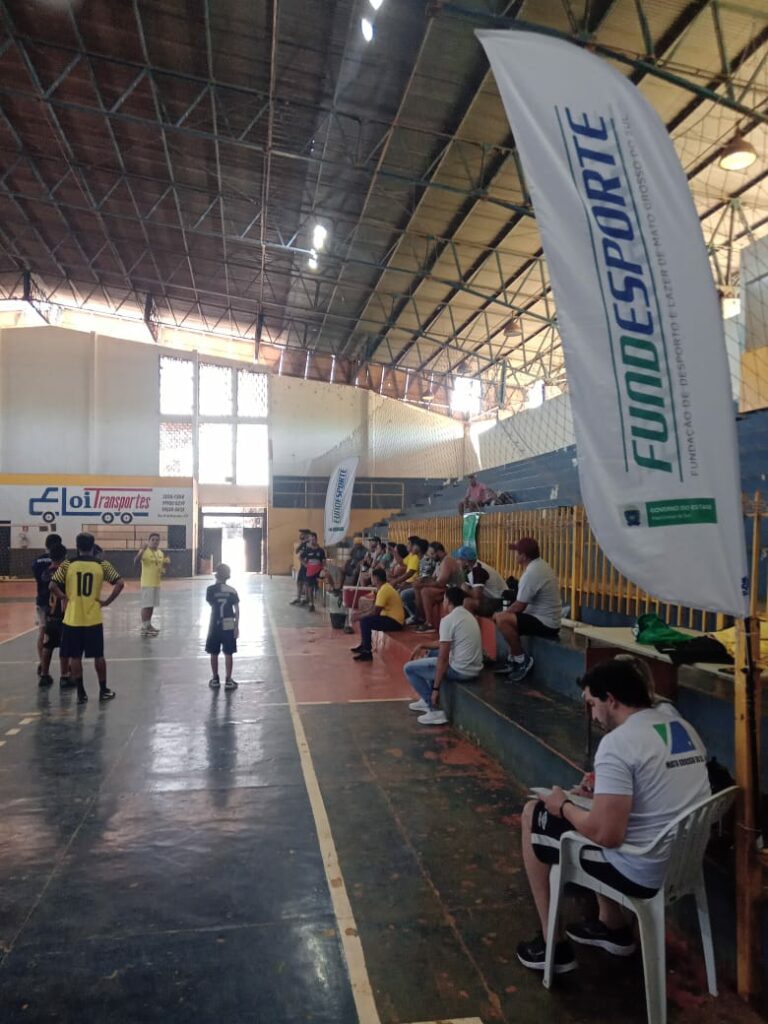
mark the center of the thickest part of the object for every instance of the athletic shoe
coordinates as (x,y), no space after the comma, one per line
(505,669)
(82,697)
(153,630)
(425,628)
(436,717)
(311,608)
(531,954)
(230,684)
(364,656)
(67,683)
(520,669)
(295,601)
(419,705)
(144,631)
(106,694)
(45,681)
(616,941)
(214,682)
(411,620)
(357,650)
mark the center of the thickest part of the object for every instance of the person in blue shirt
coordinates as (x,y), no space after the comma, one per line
(40,568)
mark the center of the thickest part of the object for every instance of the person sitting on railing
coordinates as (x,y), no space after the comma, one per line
(649,769)
(420,550)
(386,616)
(478,496)
(537,611)
(484,586)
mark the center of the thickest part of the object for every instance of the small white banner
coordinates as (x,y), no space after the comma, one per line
(639,319)
(338,500)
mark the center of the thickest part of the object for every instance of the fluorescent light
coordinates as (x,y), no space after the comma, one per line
(319,236)
(375,4)
(737,155)
(731,306)
(312,261)
(366,27)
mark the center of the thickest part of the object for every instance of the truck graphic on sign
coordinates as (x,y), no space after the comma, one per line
(105,503)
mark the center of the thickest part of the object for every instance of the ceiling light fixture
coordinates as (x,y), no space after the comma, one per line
(319,236)
(366,27)
(312,261)
(375,4)
(737,155)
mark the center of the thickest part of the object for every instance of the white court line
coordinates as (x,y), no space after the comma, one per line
(16,636)
(342,909)
(2,743)
(379,700)
(26,721)
(12,732)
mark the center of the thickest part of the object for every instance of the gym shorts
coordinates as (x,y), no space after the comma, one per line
(529,625)
(221,640)
(52,635)
(150,597)
(82,641)
(546,830)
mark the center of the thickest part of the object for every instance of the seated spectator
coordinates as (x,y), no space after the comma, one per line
(387,615)
(388,555)
(398,570)
(411,562)
(648,769)
(314,561)
(449,573)
(477,496)
(484,587)
(537,611)
(459,658)
(376,552)
(410,593)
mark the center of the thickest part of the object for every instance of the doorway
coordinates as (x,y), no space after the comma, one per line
(234,536)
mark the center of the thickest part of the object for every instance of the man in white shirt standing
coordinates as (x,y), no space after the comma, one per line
(649,769)
(536,612)
(459,658)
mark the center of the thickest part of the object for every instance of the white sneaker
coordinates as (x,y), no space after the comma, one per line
(419,705)
(433,718)
(410,620)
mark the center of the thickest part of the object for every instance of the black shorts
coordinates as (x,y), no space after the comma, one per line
(82,641)
(546,830)
(52,634)
(302,574)
(529,625)
(489,606)
(221,640)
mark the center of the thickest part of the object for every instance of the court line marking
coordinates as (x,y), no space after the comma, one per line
(352,947)
(16,636)
(12,732)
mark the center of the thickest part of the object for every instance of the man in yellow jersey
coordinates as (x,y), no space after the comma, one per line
(153,562)
(78,581)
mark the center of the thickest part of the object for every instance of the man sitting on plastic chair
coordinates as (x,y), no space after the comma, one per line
(649,768)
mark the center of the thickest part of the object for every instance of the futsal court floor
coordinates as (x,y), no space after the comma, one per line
(298,850)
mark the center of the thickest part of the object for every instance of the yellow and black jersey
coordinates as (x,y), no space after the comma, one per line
(81,579)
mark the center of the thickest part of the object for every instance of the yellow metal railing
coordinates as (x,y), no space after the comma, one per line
(586,574)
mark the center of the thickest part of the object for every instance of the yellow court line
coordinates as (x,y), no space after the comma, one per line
(342,909)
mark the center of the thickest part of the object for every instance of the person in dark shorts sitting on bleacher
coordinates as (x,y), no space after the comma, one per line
(536,612)
(649,769)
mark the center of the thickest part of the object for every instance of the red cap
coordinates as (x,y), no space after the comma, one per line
(526,546)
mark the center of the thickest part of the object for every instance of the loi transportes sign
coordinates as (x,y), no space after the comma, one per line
(338,500)
(639,319)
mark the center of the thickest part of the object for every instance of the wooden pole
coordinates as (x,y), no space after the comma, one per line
(577,561)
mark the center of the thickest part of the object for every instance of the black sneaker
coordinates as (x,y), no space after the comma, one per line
(364,656)
(214,682)
(357,650)
(82,697)
(107,694)
(67,683)
(531,954)
(616,941)
(295,601)
(45,681)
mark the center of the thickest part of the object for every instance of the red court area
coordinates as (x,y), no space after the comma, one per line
(321,667)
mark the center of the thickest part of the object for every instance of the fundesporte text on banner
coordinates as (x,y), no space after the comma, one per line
(639,319)
(338,500)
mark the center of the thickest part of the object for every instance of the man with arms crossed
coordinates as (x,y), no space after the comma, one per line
(153,562)
(649,769)
(536,612)
(79,581)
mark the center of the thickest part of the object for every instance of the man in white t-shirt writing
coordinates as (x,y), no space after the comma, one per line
(536,612)
(649,768)
(459,658)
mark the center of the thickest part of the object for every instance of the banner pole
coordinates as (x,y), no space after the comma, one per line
(748,839)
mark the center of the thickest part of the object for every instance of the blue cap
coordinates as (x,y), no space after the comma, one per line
(466,553)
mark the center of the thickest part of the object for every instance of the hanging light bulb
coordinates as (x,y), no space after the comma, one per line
(319,236)
(737,155)
(366,27)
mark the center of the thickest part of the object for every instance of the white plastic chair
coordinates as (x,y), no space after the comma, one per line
(686,839)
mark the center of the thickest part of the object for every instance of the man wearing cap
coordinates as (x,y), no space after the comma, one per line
(537,610)
(484,585)
(476,497)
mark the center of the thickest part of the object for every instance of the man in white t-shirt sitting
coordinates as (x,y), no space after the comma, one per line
(650,768)
(536,612)
(459,658)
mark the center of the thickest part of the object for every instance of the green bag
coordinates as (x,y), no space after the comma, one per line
(651,630)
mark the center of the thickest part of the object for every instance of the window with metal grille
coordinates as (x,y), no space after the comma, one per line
(177,393)
(215,390)
(252,398)
(176,449)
